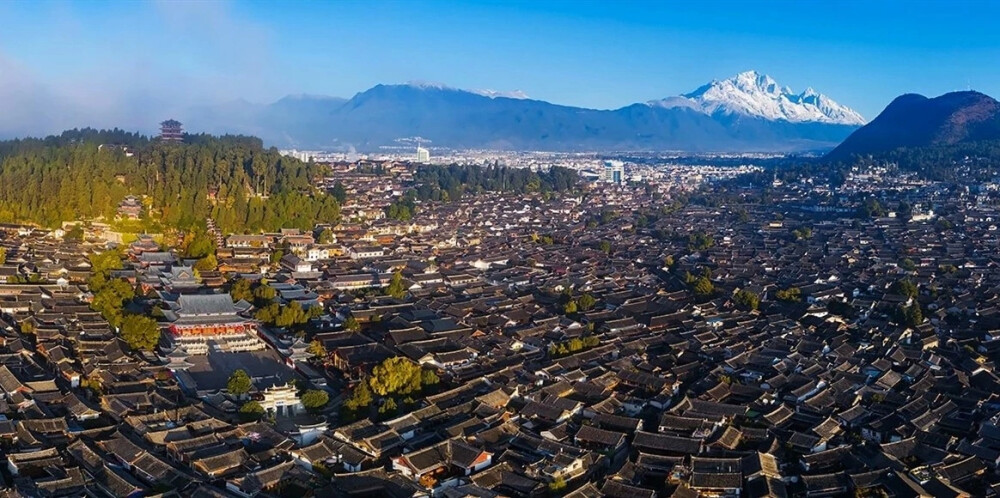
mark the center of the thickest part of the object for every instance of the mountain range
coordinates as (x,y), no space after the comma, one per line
(913,120)
(748,112)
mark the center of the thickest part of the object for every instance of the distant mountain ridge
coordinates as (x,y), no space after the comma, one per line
(748,112)
(913,120)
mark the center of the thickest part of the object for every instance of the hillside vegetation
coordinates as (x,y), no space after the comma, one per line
(85,174)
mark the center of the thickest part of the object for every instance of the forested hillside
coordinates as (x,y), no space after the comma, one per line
(85,175)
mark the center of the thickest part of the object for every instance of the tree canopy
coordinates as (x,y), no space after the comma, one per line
(240,290)
(251,410)
(140,332)
(315,399)
(239,383)
(399,376)
(234,180)
(396,287)
(746,300)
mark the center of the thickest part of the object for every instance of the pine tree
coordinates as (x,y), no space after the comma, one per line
(396,287)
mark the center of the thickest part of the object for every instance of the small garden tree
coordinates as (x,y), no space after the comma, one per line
(239,383)
(315,399)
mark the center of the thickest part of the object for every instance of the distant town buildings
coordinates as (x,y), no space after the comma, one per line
(301,155)
(614,171)
(171,131)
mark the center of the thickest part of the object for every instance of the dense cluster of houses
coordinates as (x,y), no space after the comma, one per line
(596,344)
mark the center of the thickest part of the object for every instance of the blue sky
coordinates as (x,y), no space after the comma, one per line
(120,60)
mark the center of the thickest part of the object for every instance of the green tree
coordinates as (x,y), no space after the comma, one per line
(746,300)
(906,287)
(605,246)
(397,376)
(396,287)
(140,332)
(911,315)
(570,307)
(700,241)
(239,383)
(339,192)
(947,269)
(361,397)
(789,295)
(104,262)
(268,314)
(200,246)
(703,287)
(276,256)
(3,255)
(251,410)
(207,263)
(264,294)
(326,236)
(101,266)
(388,408)
(234,180)
(908,264)
(586,302)
(316,349)
(557,485)
(351,324)
(240,290)
(111,299)
(74,234)
(872,208)
(290,315)
(429,379)
(315,311)
(315,399)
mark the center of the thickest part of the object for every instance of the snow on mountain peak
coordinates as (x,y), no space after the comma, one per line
(428,85)
(434,85)
(515,94)
(751,93)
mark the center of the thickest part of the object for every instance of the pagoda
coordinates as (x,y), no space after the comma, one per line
(177,359)
(171,131)
(299,351)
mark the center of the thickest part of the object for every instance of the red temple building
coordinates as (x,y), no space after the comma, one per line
(200,322)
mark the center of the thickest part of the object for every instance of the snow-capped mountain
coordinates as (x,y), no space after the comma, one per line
(748,113)
(514,94)
(433,85)
(757,95)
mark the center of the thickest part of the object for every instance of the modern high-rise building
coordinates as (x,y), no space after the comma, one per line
(423,155)
(614,171)
(171,131)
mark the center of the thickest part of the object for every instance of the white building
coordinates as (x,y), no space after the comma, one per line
(614,172)
(423,155)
